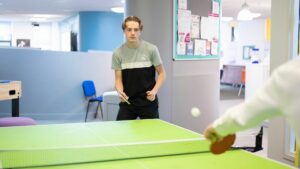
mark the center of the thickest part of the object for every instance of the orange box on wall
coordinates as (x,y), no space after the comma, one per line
(268,29)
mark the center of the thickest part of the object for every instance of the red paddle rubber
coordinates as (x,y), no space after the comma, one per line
(223,145)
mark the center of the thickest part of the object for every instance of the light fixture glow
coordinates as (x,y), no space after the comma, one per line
(226,19)
(118,9)
(35,19)
(245,14)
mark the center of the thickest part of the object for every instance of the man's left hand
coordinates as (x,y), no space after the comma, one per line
(151,95)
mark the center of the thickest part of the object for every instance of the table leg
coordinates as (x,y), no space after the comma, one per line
(15,107)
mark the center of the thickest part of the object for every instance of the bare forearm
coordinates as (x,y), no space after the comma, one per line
(159,81)
(119,86)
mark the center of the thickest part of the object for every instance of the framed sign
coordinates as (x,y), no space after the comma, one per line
(196,32)
(23,42)
(247,52)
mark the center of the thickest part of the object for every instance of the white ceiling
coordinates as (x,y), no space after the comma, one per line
(23,9)
(232,7)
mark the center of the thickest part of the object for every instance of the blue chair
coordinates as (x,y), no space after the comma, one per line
(90,93)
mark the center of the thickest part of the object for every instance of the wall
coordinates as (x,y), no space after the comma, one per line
(100,31)
(189,83)
(40,36)
(65,27)
(247,33)
(282,49)
(51,81)
(5,33)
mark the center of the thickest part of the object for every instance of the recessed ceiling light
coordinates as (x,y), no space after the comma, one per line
(117,9)
(37,19)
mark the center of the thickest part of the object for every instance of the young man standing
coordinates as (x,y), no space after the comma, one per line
(135,63)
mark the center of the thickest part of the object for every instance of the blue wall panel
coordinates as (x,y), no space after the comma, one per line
(100,30)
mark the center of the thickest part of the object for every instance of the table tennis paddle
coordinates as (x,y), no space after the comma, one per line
(222,145)
(126,100)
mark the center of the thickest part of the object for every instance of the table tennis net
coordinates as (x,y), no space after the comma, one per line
(15,158)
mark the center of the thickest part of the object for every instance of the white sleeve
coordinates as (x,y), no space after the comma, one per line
(269,101)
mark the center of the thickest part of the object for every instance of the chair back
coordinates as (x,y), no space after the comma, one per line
(89,88)
(244,76)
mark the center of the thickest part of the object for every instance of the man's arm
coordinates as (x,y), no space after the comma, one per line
(159,82)
(275,98)
(119,85)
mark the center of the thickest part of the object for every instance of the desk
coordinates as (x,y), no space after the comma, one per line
(154,144)
(11,90)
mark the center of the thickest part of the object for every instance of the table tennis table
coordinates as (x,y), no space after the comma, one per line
(136,144)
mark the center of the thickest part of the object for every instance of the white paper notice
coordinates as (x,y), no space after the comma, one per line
(184,23)
(215,7)
(182,4)
(200,47)
(181,37)
(190,48)
(209,28)
(181,48)
(214,47)
(195,26)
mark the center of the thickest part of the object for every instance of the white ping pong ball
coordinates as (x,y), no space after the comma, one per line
(195,112)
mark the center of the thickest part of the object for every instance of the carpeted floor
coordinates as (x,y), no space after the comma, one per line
(228,92)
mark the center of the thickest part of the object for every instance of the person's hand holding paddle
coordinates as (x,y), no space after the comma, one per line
(219,144)
(123,96)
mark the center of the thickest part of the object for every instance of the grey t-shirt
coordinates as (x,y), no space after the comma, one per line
(145,55)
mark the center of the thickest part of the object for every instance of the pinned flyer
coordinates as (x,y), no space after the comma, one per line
(200,47)
(215,8)
(190,48)
(181,48)
(208,47)
(214,47)
(209,27)
(195,26)
(182,4)
(184,23)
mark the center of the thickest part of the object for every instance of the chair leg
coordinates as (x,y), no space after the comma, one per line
(241,87)
(99,106)
(87,111)
(96,114)
(101,111)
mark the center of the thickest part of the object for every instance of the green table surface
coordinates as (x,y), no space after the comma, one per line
(185,149)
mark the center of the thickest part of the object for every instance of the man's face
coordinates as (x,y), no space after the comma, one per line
(132,31)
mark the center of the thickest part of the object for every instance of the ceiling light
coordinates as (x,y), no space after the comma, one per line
(34,19)
(117,9)
(226,19)
(245,14)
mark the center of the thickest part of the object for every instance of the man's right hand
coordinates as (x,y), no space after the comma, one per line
(123,97)
(211,135)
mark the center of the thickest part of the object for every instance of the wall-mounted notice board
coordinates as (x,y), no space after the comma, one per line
(196,29)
